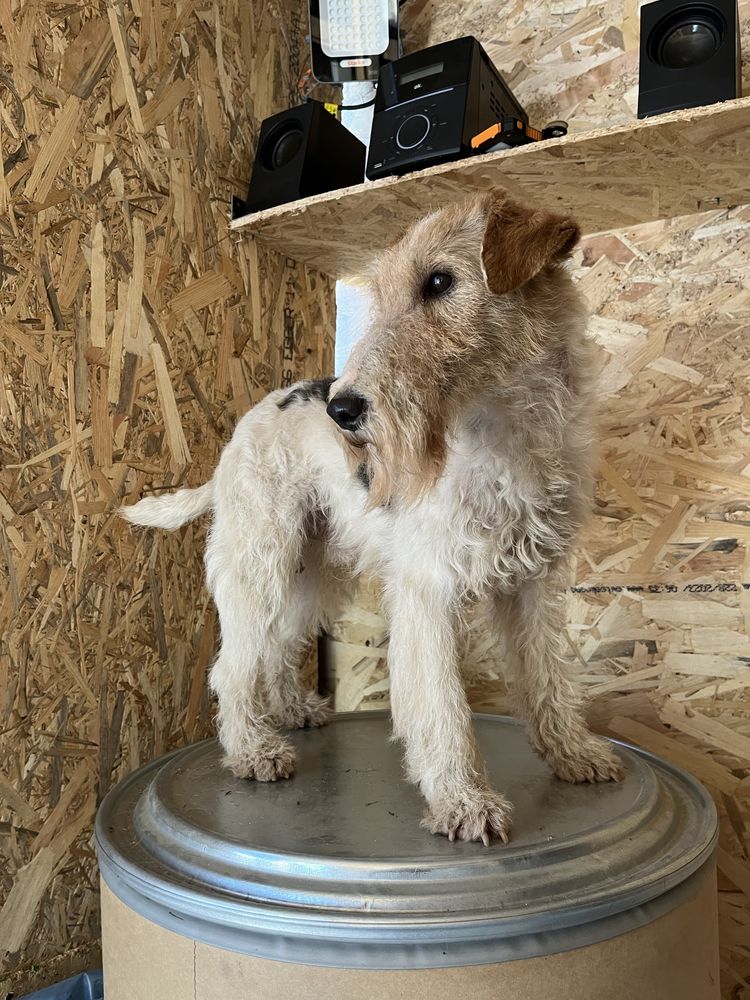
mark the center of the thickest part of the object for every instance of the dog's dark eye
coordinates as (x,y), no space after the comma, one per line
(437,284)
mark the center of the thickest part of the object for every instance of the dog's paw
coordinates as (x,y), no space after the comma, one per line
(594,760)
(309,712)
(266,763)
(480,814)
(317,710)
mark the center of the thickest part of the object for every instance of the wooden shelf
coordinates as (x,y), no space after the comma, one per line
(683,162)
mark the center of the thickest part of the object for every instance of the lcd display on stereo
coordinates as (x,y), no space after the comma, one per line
(420,74)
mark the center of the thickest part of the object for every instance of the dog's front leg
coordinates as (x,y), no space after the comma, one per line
(432,717)
(547,697)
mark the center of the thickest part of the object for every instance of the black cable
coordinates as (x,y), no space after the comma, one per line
(355,107)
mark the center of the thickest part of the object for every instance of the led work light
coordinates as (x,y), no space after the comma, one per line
(351,39)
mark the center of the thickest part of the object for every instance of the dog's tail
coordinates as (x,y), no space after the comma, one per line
(172,510)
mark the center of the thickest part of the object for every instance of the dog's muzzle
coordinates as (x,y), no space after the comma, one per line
(348,410)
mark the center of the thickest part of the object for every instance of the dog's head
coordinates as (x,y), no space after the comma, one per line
(458,305)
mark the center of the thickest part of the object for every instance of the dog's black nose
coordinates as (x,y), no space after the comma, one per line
(347,410)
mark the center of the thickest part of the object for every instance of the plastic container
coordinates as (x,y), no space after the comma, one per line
(86,986)
(325,885)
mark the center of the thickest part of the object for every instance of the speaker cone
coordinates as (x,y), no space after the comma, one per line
(688,37)
(282,145)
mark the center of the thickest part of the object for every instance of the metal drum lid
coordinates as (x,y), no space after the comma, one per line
(332,868)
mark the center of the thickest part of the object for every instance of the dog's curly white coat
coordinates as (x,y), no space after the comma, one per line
(476,450)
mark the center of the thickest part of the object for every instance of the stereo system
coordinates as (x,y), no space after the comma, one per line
(431,104)
(448,101)
(690,55)
(301,152)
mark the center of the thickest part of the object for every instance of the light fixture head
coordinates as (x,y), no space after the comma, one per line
(351,39)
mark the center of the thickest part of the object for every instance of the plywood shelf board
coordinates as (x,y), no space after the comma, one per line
(675,164)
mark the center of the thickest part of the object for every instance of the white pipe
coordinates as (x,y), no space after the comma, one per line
(350,301)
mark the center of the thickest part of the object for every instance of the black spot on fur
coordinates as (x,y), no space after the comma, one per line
(363,475)
(312,389)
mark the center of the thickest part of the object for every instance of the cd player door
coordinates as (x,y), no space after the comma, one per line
(418,133)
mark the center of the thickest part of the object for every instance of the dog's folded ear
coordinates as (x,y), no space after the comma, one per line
(520,241)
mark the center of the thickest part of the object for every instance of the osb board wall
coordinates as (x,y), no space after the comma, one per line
(659,611)
(133,332)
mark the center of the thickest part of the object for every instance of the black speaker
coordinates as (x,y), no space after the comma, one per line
(301,152)
(430,105)
(690,55)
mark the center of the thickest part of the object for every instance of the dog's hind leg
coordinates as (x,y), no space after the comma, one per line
(253,747)
(534,619)
(290,705)
(253,555)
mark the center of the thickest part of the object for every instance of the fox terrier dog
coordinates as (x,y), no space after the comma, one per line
(452,461)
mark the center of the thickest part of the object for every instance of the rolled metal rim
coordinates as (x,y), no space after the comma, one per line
(234,865)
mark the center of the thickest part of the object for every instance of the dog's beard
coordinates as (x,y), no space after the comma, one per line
(402,457)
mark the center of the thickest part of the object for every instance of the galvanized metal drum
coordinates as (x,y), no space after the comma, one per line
(325,885)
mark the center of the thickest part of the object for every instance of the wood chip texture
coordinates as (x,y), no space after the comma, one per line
(134,331)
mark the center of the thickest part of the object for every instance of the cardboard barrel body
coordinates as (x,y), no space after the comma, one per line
(325,885)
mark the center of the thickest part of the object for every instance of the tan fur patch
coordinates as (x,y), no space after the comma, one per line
(520,241)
